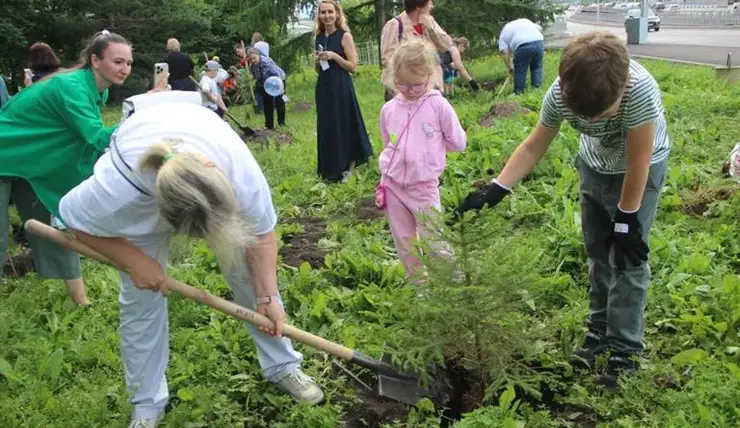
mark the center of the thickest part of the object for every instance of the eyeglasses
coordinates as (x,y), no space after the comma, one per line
(412,88)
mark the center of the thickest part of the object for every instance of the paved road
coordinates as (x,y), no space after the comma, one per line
(674,36)
(708,46)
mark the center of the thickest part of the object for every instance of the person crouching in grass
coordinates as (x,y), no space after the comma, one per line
(616,105)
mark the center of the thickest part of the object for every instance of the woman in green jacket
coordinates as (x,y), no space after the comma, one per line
(51,134)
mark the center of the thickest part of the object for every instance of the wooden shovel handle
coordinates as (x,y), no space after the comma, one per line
(69,241)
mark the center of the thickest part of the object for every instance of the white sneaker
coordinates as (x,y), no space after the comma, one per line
(144,423)
(303,388)
(345,176)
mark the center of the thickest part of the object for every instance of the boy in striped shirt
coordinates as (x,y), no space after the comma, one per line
(616,105)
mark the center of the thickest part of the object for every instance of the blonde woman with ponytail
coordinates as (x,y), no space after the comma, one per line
(178,168)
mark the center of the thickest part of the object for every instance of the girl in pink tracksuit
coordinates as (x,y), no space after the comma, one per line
(418,128)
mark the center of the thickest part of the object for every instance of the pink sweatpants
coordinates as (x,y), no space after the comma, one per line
(403,207)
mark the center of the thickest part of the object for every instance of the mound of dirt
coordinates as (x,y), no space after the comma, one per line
(502,110)
(301,107)
(303,247)
(697,202)
(19,265)
(265,137)
(366,210)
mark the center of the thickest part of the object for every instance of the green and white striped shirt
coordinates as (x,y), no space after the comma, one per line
(602,142)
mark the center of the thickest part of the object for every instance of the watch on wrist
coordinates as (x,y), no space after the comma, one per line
(266,300)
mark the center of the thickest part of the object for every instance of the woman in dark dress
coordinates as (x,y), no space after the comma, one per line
(343,142)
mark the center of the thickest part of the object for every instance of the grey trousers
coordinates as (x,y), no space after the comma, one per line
(618,297)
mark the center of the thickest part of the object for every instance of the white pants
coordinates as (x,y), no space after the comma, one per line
(144,333)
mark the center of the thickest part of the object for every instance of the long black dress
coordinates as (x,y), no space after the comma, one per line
(342,137)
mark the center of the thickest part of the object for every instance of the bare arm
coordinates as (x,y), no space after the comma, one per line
(507,59)
(457,60)
(262,263)
(349,64)
(639,150)
(527,155)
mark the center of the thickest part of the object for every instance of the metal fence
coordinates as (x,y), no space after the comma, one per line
(721,18)
(367,53)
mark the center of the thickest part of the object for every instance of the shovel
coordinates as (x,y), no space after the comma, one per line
(403,387)
(249,132)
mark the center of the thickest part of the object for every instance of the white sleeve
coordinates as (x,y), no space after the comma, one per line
(91,207)
(504,39)
(253,192)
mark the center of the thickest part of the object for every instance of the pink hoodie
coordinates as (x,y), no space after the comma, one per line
(420,154)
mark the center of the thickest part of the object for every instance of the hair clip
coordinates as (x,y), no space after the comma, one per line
(104,33)
(210,164)
(169,156)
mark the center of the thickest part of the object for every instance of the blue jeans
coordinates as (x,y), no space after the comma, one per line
(528,56)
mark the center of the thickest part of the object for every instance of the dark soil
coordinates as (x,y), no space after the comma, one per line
(697,202)
(302,247)
(266,137)
(373,411)
(502,110)
(19,265)
(366,210)
(302,107)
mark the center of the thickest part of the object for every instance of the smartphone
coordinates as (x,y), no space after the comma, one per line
(324,63)
(161,71)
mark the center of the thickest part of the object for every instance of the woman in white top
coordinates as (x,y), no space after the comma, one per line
(177,168)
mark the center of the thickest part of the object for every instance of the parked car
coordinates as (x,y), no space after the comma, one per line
(653,19)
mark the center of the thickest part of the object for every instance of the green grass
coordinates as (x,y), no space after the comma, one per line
(60,366)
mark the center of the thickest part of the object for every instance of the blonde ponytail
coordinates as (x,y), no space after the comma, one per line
(197,199)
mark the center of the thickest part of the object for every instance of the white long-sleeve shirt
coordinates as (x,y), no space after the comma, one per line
(109,205)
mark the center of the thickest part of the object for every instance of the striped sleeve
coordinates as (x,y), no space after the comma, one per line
(644,104)
(551,112)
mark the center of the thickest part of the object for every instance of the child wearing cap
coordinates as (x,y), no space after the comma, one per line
(212,98)
(615,104)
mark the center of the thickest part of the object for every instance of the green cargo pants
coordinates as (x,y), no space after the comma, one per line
(618,297)
(50,260)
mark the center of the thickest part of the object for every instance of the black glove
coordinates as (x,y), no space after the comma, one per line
(626,240)
(474,85)
(478,199)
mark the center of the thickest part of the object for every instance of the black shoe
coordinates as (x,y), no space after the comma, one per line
(619,364)
(593,345)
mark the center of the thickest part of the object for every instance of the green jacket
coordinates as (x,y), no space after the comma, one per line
(52,133)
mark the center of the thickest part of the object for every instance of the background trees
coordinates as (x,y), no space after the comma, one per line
(212,27)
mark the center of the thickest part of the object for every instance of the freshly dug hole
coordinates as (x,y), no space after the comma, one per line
(502,110)
(303,247)
(265,137)
(18,265)
(302,107)
(366,209)
(697,202)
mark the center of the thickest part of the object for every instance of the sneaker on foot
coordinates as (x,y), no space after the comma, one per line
(302,387)
(619,364)
(345,176)
(144,423)
(594,345)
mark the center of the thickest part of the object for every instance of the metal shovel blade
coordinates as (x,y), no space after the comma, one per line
(405,390)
